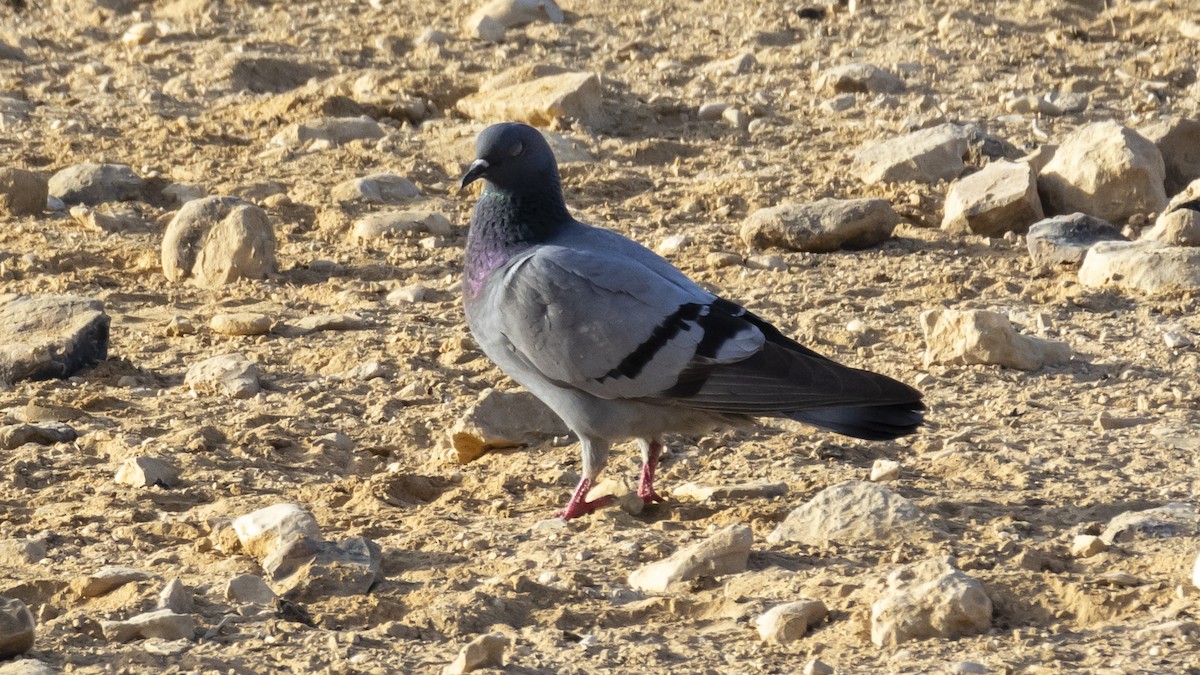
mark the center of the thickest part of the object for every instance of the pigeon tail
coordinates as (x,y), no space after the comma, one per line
(872,422)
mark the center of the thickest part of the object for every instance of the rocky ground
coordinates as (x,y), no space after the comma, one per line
(1015,508)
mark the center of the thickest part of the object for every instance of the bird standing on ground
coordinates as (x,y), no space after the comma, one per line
(622,345)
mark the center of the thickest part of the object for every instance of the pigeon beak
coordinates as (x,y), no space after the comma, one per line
(474,172)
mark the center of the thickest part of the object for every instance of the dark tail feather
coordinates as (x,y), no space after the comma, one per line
(872,423)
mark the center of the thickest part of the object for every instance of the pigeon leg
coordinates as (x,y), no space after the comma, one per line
(595,456)
(651,451)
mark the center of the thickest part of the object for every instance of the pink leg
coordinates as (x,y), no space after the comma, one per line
(646,485)
(579,505)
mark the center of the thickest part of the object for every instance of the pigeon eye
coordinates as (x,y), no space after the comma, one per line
(518,149)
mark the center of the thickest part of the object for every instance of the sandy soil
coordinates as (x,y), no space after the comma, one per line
(1011,464)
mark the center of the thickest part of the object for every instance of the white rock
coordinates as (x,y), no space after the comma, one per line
(16,627)
(1065,240)
(574,95)
(854,511)
(160,623)
(968,668)
(21,552)
(1177,139)
(249,588)
(1104,170)
(817,667)
(407,295)
(1148,267)
(486,28)
(1087,545)
(1179,223)
(822,226)
(330,131)
(734,65)
(1171,520)
(673,244)
(485,651)
(712,111)
(147,472)
(176,597)
(925,156)
(863,78)
(725,552)
(789,622)
(140,33)
(501,419)
(929,599)
(26,667)
(93,184)
(510,13)
(232,375)
(1001,197)
(305,569)
(263,531)
(380,188)
(240,323)
(885,470)
(217,240)
(376,226)
(981,337)
(1175,339)
(107,579)
(317,322)
(721,493)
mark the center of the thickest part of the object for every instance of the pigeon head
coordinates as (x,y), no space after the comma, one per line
(513,157)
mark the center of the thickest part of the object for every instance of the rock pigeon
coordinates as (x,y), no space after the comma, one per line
(622,345)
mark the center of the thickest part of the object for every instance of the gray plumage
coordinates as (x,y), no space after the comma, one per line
(620,343)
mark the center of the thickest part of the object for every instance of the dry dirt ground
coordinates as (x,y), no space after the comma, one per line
(1011,464)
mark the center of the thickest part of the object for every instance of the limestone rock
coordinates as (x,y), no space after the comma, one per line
(485,651)
(1178,139)
(1179,223)
(859,78)
(1087,545)
(1000,198)
(249,588)
(885,470)
(980,337)
(333,131)
(160,623)
(176,597)
(502,419)
(854,511)
(1174,519)
(14,436)
(263,531)
(21,552)
(725,552)
(22,193)
(231,375)
(374,226)
(925,156)
(107,579)
(1065,240)
(93,184)
(379,188)
(822,226)
(53,336)
(16,627)
(1104,170)
(1148,267)
(789,622)
(218,240)
(722,493)
(147,472)
(510,13)
(240,323)
(26,667)
(305,569)
(574,95)
(929,599)
(318,322)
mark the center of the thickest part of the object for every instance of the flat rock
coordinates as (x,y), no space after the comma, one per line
(1065,240)
(319,322)
(52,336)
(980,337)
(379,188)
(570,95)
(176,597)
(510,13)
(503,419)
(929,599)
(790,621)
(1170,520)
(1002,197)
(1105,170)
(16,627)
(21,552)
(14,436)
(217,240)
(720,493)
(925,156)
(333,131)
(1179,223)
(22,193)
(93,184)
(106,580)
(1178,139)
(375,226)
(232,375)
(485,651)
(1148,267)
(240,323)
(822,226)
(725,552)
(249,588)
(305,569)
(147,472)
(264,531)
(859,78)
(854,511)
(163,624)
(27,667)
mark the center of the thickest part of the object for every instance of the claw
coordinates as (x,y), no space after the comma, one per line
(646,484)
(579,505)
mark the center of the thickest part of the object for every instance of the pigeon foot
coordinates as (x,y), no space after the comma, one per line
(646,484)
(579,505)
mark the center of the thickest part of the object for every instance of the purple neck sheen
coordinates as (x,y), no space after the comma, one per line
(507,222)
